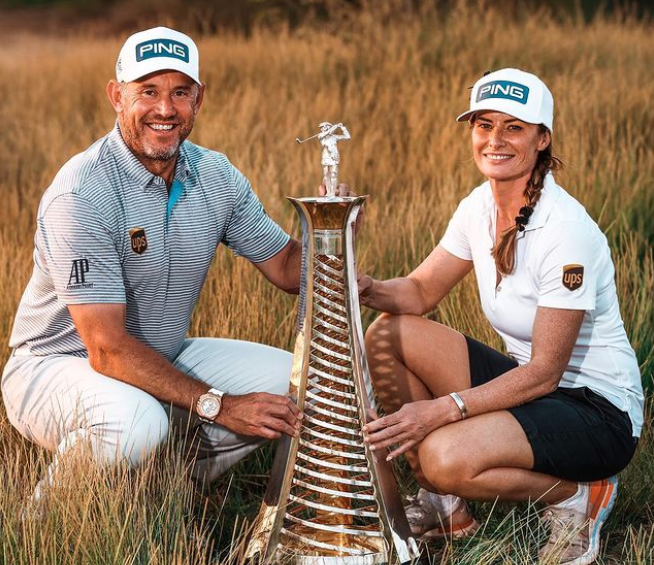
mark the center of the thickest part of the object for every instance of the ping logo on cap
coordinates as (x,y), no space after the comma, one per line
(503,89)
(161,48)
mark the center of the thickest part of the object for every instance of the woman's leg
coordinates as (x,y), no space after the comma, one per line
(482,458)
(488,457)
(404,370)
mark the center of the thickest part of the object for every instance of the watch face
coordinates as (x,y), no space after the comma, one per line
(209,407)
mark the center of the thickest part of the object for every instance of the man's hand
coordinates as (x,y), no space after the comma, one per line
(341,190)
(260,414)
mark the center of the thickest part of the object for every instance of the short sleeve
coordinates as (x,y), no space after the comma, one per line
(251,233)
(455,240)
(80,253)
(568,270)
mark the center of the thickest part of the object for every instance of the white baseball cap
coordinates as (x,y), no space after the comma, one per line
(513,92)
(157,49)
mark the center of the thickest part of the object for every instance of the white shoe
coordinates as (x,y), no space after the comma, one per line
(428,522)
(575,532)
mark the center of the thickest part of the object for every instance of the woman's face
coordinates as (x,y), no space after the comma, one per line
(504,147)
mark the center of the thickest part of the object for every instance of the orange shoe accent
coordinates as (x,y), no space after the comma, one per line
(456,531)
(601,493)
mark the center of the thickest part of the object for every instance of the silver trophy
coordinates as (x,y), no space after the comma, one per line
(330,499)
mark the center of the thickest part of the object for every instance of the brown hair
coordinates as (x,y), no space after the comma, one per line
(504,250)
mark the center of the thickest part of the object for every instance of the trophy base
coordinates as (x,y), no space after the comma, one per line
(288,558)
(308,546)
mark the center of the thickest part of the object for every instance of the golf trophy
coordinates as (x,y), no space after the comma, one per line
(330,499)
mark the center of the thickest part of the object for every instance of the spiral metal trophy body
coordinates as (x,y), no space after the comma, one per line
(330,500)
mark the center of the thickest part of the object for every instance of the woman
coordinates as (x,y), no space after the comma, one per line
(558,417)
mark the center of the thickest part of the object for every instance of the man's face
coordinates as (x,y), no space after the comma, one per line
(156,113)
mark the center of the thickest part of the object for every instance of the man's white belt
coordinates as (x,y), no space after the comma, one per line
(22,351)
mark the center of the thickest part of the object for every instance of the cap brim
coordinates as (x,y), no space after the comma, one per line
(527,119)
(145,70)
(466,116)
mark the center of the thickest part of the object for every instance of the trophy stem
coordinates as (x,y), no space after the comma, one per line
(330,500)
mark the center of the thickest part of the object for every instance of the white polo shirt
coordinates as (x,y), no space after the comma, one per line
(563,261)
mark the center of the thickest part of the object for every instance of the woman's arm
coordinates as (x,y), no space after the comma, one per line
(419,292)
(554,335)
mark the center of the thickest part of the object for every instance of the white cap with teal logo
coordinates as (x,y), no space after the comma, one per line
(513,92)
(157,49)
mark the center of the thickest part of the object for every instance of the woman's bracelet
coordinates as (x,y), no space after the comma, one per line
(460,405)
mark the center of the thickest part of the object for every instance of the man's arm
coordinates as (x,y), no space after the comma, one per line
(283,269)
(117,354)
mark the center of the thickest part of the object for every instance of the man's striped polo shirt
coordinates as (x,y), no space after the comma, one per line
(107,232)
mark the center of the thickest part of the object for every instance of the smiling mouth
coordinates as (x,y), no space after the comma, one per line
(161,127)
(498,158)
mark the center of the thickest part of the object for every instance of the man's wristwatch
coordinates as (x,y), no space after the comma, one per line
(209,405)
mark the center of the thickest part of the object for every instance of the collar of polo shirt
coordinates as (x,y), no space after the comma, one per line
(549,195)
(542,210)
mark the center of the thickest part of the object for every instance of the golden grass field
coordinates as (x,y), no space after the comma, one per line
(397,80)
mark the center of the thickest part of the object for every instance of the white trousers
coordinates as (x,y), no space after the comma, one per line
(58,400)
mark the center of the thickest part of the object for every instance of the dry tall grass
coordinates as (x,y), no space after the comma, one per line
(397,82)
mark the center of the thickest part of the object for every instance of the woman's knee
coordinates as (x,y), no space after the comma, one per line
(383,337)
(445,467)
(383,329)
(395,333)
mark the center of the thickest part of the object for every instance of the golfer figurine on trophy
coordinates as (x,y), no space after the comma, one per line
(330,156)
(330,499)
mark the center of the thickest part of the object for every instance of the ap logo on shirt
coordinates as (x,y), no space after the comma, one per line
(573,276)
(77,278)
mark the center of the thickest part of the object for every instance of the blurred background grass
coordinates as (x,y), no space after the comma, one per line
(396,73)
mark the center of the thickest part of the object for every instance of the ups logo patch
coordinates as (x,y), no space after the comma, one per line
(139,243)
(573,276)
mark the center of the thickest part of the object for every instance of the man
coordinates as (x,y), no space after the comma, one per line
(125,236)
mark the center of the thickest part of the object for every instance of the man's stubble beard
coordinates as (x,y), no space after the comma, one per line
(160,154)
(142,150)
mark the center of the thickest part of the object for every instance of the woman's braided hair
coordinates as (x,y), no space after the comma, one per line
(504,251)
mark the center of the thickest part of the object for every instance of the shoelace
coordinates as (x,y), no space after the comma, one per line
(563,522)
(419,506)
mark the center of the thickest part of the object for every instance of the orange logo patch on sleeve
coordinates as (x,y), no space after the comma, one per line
(573,276)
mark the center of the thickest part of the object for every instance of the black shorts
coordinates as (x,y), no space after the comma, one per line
(575,433)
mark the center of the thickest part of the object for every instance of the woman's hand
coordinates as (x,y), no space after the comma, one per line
(366,293)
(408,426)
